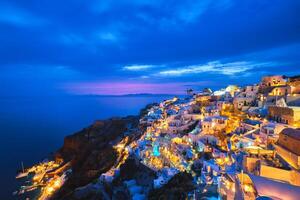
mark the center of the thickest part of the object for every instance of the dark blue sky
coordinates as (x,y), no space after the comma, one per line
(115,47)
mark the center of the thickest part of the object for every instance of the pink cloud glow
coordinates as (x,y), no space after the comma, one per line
(121,88)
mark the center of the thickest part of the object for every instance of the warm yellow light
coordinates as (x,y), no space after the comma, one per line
(50,190)
(233,189)
(248,188)
(213,124)
(56,183)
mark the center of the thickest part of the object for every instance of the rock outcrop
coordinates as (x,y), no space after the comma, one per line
(91,151)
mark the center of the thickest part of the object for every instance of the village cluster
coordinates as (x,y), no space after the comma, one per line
(243,140)
(238,143)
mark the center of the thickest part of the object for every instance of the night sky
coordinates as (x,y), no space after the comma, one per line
(62,47)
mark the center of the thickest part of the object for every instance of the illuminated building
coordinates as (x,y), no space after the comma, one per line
(294,83)
(268,81)
(288,146)
(246,97)
(212,124)
(288,115)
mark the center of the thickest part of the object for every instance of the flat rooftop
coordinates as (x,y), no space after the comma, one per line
(293,133)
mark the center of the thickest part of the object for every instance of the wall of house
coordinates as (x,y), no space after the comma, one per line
(206,127)
(275,173)
(295,86)
(295,177)
(249,164)
(291,176)
(210,127)
(252,89)
(289,143)
(281,114)
(240,102)
(297,115)
(273,81)
(288,156)
(279,91)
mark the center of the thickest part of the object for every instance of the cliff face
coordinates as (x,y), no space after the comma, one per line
(176,188)
(91,151)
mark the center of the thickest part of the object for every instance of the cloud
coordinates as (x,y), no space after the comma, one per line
(166,14)
(111,34)
(18,17)
(126,34)
(137,67)
(230,69)
(191,11)
(108,36)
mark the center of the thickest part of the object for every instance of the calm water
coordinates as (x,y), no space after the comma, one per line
(32,128)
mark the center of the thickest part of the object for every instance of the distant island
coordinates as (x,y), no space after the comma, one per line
(233,143)
(130,95)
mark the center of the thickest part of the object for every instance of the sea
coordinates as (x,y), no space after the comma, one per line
(32,128)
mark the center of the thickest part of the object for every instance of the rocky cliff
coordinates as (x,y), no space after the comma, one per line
(91,151)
